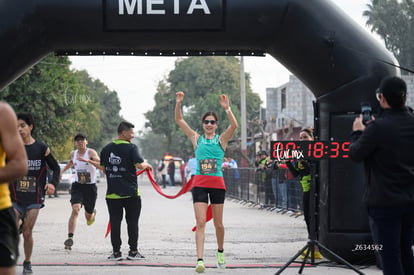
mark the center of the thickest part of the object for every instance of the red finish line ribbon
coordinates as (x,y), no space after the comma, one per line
(187,187)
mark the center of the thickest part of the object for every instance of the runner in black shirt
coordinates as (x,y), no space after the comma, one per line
(28,192)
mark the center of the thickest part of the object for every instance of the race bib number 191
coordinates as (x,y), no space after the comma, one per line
(26,184)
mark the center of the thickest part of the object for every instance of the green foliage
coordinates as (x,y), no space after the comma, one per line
(155,145)
(108,116)
(203,80)
(64,102)
(393,21)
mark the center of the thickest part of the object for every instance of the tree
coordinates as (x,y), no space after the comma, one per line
(393,21)
(202,79)
(109,108)
(63,102)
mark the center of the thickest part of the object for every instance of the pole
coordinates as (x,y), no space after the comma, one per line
(243,112)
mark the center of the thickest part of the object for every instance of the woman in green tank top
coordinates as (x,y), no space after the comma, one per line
(208,181)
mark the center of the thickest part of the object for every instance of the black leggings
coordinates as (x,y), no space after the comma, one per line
(132,212)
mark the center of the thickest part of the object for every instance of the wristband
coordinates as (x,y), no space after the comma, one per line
(228,110)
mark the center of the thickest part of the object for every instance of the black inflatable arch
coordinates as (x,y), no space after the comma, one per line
(315,40)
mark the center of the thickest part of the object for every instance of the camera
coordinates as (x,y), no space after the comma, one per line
(366,112)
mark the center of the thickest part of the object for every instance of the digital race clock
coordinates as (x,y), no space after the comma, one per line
(287,150)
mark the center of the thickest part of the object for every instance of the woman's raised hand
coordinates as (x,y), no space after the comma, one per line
(180,97)
(224,101)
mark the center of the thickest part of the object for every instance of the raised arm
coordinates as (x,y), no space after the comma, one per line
(226,136)
(12,143)
(190,133)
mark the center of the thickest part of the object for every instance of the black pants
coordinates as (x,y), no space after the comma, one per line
(132,208)
(269,196)
(306,211)
(392,230)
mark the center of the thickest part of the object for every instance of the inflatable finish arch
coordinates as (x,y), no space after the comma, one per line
(315,40)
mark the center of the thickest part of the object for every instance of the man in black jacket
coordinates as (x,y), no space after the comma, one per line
(386,146)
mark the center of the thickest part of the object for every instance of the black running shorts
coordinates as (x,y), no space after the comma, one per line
(85,194)
(9,238)
(201,194)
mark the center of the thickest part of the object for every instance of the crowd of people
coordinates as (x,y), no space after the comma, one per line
(381,143)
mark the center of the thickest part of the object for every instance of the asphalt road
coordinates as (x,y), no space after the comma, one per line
(256,241)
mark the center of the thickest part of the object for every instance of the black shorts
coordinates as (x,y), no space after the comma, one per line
(9,238)
(85,194)
(201,194)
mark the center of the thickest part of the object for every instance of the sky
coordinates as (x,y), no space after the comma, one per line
(135,79)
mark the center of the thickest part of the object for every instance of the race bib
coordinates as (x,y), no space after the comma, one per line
(26,184)
(84,177)
(208,166)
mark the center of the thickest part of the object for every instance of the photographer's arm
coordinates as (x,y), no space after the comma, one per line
(363,140)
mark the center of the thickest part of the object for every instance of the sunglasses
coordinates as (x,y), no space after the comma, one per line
(212,122)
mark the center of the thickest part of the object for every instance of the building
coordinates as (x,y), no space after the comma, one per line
(289,108)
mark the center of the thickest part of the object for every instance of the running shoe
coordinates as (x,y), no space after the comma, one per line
(27,267)
(91,221)
(68,243)
(200,268)
(304,252)
(316,255)
(115,256)
(134,255)
(221,264)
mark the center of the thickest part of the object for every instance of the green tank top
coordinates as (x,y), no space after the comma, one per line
(209,155)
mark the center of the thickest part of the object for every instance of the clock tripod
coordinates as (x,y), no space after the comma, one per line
(313,242)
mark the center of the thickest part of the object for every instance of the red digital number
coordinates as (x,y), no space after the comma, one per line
(290,151)
(310,150)
(278,150)
(318,150)
(334,150)
(345,149)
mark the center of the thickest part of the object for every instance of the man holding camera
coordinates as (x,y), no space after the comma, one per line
(386,146)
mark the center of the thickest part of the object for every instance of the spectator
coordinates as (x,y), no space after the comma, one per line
(224,164)
(386,146)
(232,165)
(266,178)
(171,171)
(192,164)
(279,184)
(182,173)
(163,169)
(302,169)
